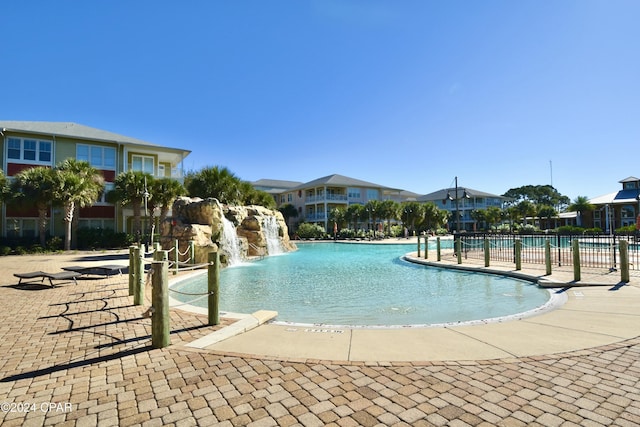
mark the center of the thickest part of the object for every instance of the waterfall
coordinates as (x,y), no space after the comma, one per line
(230,242)
(272,236)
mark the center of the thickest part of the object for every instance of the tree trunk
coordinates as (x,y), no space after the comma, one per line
(137,220)
(42,224)
(69,209)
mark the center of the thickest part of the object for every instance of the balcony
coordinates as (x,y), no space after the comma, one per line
(326,198)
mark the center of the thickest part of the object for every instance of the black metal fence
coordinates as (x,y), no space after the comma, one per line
(596,250)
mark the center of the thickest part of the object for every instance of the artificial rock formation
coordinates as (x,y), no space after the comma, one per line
(201,221)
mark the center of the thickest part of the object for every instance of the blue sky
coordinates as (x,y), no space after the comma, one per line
(407,94)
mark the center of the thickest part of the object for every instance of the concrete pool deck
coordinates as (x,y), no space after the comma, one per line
(598,311)
(80,355)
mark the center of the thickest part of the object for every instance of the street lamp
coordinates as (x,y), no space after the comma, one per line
(464,195)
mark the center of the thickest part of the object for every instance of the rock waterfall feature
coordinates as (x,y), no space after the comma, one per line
(238,232)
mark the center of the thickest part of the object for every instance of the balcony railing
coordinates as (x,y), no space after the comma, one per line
(326,197)
(318,216)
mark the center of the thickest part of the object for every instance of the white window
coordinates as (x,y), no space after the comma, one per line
(143,164)
(354,193)
(27,150)
(161,170)
(97,156)
(21,227)
(93,223)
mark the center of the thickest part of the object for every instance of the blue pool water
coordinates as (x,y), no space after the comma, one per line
(364,285)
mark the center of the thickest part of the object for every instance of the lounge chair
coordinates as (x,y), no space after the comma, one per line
(64,275)
(98,270)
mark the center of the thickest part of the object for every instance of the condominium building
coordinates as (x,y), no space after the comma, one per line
(25,144)
(315,199)
(462,201)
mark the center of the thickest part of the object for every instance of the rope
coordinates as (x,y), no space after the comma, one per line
(182,253)
(190,293)
(193,300)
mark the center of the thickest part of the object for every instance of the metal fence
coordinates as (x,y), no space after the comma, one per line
(596,250)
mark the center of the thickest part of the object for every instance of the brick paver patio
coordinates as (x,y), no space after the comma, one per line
(80,355)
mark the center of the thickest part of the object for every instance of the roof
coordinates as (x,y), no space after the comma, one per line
(342,181)
(619,197)
(630,179)
(74,130)
(275,184)
(445,192)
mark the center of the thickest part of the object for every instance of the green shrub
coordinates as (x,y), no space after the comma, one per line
(629,229)
(570,229)
(55,244)
(98,238)
(311,231)
(20,250)
(5,250)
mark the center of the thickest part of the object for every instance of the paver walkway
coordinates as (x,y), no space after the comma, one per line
(79,355)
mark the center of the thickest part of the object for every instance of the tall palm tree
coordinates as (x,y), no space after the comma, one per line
(217,182)
(412,213)
(129,190)
(354,214)
(389,212)
(580,205)
(36,186)
(164,192)
(79,185)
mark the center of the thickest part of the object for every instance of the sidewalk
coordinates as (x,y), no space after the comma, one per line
(80,355)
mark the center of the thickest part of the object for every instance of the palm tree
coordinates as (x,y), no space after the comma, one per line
(412,213)
(389,211)
(250,196)
(36,185)
(354,214)
(374,209)
(288,211)
(130,189)
(493,216)
(337,215)
(580,205)
(217,182)
(164,191)
(79,185)
(4,187)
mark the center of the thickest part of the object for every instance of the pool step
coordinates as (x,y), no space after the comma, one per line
(243,325)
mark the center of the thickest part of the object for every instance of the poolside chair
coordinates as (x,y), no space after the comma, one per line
(97,270)
(64,275)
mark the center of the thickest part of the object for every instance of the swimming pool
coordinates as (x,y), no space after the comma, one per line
(365,285)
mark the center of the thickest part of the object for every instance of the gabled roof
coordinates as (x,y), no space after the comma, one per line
(630,179)
(276,183)
(445,192)
(341,180)
(74,130)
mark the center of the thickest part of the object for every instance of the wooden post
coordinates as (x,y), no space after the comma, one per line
(518,254)
(175,266)
(576,259)
(487,248)
(458,245)
(426,247)
(161,256)
(138,292)
(438,254)
(624,261)
(213,287)
(547,256)
(418,246)
(192,251)
(132,268)
(160,317)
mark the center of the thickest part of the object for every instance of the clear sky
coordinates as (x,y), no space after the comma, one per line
(407,94)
